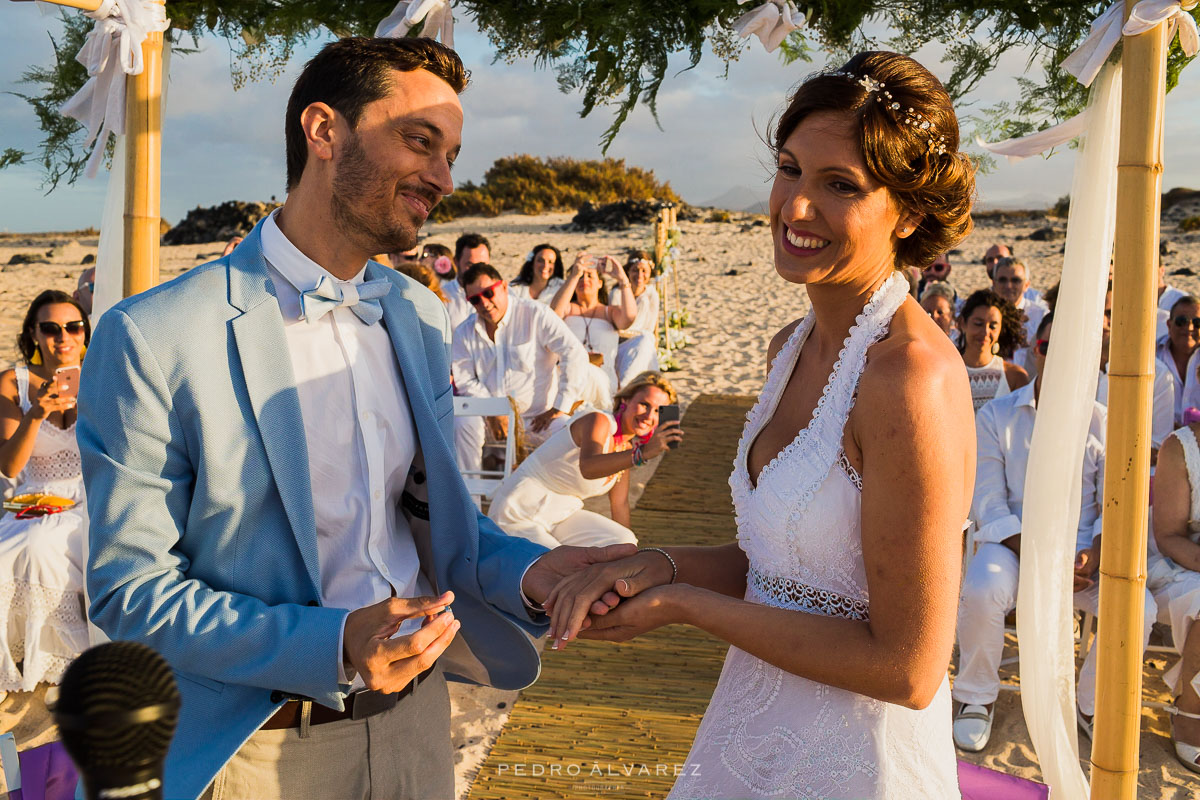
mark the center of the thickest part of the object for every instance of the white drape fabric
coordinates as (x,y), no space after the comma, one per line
(439,22)
(1051,510)
(1087,59)
(110,254)
(771,22)
(111,51)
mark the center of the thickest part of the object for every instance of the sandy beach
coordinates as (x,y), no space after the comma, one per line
(736,303)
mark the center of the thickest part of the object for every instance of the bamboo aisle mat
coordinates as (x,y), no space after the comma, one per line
(616,720)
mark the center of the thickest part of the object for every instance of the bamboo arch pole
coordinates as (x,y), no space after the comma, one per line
(143,169)
(660,250)
(1130,375)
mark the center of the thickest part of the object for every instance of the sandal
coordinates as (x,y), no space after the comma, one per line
(1188,754)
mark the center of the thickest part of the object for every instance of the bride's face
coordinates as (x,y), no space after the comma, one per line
(831,221)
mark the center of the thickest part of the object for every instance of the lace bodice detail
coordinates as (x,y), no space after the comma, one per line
(55,457)
(785,531)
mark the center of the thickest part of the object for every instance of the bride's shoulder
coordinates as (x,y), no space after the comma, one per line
(780,339)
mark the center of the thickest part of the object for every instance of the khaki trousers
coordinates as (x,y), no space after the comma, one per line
(401,754)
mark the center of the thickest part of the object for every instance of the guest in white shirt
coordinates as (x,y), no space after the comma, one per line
(513,348)
(470,248)
(997,253)
(1162,420)
(1176,350)
(638,350)
(1010,280)
(1004,430)
(541,275)
(1168,296)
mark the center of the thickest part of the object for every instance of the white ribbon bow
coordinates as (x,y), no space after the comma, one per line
(1087,59)
(407,13)
(771,22)
(113,49)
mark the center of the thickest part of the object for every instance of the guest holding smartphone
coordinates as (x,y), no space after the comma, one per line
(543,499)
(41,548)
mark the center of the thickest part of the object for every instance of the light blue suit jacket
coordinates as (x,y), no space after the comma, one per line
(202,538)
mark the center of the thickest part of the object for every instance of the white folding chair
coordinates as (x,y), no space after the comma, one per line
(483,483)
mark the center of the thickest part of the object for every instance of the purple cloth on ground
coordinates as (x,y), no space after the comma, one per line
(47,773)
(980,783)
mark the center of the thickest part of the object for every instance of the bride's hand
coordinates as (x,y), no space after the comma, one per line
(596,589)
(651,609)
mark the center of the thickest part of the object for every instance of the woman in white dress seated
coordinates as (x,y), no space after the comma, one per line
(1174,578)
(543,499)
(852,480)
(541,275)
(582,302)
(638,350)
(41,557)
(990,332)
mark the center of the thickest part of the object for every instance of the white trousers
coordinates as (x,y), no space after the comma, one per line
(532,511)
(989,593)
(636,355)
(470,435)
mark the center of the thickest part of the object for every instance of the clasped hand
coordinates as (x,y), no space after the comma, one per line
(389,664)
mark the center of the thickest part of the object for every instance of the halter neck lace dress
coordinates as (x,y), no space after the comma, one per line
(42,621)
(770,733)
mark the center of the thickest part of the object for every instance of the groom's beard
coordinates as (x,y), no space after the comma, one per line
(364,204)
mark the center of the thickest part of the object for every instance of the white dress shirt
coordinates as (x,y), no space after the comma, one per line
(456,302)
(361,440)
(546,296)
(647,311)
(1004,432)
(1033,310)
(1180,385)
(1162,419)
(535,359)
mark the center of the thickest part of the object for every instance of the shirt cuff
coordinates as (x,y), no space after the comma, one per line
(346,673)
(535,609)
(998,530)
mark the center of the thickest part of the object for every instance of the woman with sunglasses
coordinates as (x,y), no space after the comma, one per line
(991,331)
(41,550)
(541,275)
(1176,350)
(590,456)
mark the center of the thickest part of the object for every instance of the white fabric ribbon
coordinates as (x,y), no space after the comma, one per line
(404,17)
(771,22)
(1087,59)
(113,49)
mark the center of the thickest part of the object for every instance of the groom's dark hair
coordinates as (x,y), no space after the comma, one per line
(351,72)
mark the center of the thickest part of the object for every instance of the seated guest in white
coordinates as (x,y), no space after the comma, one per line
(638,350)
(1162,420)
(1010,280)
(1168,296)
(543,500)
(1004,431)
(1174,578)
(541,275)
(42,624)
(512,348)
(994,255)
(1177,348)
(470,248)
(582,302)
(938,301)
(990,329)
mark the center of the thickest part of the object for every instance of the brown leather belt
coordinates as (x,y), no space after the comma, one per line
(359,705)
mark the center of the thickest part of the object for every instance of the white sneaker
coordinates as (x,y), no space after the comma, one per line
(972,727)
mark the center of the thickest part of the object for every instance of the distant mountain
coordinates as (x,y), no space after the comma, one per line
(1026,202)
(741,198)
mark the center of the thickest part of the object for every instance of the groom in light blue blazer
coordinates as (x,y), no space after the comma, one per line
(205,541)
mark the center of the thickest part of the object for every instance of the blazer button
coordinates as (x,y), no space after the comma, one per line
(276,696)
(418,478)
(313,603)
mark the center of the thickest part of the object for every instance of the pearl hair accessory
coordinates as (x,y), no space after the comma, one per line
(937,143)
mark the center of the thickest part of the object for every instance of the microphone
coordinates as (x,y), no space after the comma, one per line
(116,711)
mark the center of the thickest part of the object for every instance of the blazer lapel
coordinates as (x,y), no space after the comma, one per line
(271,386)
(404,329)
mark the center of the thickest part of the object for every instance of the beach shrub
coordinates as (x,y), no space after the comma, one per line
(530,185)
(1189,224)
(718,215)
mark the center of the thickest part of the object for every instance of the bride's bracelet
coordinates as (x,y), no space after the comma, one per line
(674,567)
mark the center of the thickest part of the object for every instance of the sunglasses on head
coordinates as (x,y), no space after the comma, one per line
(75,327)
(1042,346)
(1182,322)
(488,293)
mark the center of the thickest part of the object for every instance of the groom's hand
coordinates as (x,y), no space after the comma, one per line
(563,561)
(388,665)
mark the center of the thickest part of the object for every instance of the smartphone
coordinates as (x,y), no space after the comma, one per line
(66,380)
(669,414)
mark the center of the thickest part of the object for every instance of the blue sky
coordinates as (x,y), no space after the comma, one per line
(221,144)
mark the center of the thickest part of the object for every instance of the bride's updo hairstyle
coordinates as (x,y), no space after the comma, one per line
(908,137)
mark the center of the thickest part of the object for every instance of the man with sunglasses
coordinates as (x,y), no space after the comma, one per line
(1168,296)
(274,501)
(997,253)
(1178,347)
(512,347)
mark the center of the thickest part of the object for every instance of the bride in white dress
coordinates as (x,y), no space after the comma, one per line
(852,479)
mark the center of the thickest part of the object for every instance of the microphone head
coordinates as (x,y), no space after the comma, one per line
(117,709)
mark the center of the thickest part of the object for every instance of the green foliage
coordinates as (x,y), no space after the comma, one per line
(1189,224)
(532,185)
(616,53)
(718,215)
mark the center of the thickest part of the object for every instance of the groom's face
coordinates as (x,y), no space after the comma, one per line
(394,166)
